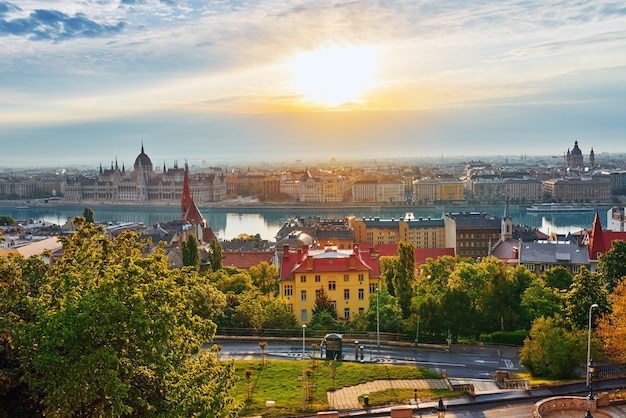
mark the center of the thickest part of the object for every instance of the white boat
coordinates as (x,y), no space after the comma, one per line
(559,207)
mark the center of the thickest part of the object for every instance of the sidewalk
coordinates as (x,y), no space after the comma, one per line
(348,397)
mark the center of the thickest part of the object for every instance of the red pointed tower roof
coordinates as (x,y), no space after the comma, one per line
(601,241)
(185,199)
(189,211)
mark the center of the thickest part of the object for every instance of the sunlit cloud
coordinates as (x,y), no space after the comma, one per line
(103,60)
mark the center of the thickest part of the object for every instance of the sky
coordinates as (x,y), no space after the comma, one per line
(89,81)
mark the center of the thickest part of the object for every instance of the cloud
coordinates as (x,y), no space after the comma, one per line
(54,25)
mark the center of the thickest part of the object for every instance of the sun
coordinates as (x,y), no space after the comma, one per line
(334,76)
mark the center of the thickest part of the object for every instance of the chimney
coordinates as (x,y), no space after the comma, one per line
(352,262)
(309,263)
(285,250)
(355,249)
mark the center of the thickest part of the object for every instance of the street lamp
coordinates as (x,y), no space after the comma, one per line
(303,375)
(592,368)
(588,414)
(441,409)
(595,305)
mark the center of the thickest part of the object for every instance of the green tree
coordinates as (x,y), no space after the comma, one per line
(20,276)
(404,279)
(324,321)
(215,255)
(232,280)
(89,215)
(553,349)
(388,267)
(249,313)
(323,303)
(265,277)
(6,220)
(208,301)
(110,332)
(612,265)
(540,300)
(586,290)
(389,313)
(189,249)
(557,277)
(278,315)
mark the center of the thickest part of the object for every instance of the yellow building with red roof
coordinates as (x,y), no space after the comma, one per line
(348,277)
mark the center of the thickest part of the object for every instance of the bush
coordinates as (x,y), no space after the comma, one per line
(505,337)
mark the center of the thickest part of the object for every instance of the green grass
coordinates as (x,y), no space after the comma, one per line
(280,381)
(401,396)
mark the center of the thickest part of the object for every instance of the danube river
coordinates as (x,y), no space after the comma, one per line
(230,221)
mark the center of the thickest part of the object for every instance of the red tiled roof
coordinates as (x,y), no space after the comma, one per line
(245,259)
(321,261)
(421,254)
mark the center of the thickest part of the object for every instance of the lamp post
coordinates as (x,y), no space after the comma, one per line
(588,414)
(592,368)
(377,325)
(303,375)
(595,305)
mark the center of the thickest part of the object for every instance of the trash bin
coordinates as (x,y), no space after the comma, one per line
(366,400)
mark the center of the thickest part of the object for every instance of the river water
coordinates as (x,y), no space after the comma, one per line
(228,222)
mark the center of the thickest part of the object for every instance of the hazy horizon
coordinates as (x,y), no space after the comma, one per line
(86,82)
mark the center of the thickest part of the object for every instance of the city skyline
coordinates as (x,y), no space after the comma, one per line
(84,82)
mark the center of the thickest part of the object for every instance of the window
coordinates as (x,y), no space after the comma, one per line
(303,295)
(530,267)
(576,269)
(303,315)
(318,278)
(346,313)
(346,277)
(302,279)
(361,311)
(346,294)
(361,294)
(288,290)
(373,287)
(318,292)
(332,285)
(361,277)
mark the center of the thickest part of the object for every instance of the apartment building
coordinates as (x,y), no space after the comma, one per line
(348,277)
(428,191)
(579,189)
(421,232)
(471,234)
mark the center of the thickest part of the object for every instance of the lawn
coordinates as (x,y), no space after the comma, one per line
(280,381)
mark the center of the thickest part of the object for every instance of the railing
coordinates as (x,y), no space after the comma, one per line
(610,370)
(370,336)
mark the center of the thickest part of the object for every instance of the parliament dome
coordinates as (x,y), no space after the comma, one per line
(143,161)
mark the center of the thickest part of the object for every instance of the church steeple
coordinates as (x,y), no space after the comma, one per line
(506,225)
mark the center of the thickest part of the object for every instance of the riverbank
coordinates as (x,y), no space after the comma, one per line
(234,204)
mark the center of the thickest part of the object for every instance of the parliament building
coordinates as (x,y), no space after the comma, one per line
(144,185)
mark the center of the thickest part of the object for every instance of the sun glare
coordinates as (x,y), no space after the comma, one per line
(334,76)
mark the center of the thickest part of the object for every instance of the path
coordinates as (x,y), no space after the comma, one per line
(348,397)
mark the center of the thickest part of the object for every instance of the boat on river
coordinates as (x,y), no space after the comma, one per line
(560,208)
